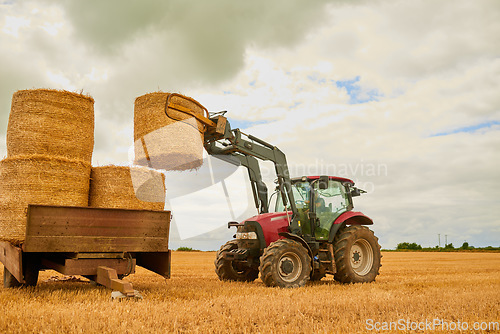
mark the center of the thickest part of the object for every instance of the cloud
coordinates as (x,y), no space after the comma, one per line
(208,37)
(331,83)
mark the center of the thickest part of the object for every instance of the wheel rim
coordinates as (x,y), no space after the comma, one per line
(361,257)
(289,267)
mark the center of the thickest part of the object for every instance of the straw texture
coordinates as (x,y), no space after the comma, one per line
(120,187)
(51,122)
(172,143)
(38,179)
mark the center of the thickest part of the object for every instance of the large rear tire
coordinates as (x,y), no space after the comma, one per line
(228,270)
(286,264)
(357,255)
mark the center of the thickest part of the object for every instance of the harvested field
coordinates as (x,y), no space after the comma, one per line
(414,287)
(121,187)
(38,179)
(51,122)
(173,142)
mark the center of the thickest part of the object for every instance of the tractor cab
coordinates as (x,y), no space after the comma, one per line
(319,202)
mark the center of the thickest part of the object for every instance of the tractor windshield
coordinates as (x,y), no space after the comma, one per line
(329,203)
(301,193)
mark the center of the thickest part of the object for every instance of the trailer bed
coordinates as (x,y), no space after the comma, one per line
(88,241)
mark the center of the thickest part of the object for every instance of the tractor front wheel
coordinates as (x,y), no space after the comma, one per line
(286,264)
(357,255)
(228,270)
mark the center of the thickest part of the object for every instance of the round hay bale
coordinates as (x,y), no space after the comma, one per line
(51,122)
(173,142)
(137,188)
(38,180)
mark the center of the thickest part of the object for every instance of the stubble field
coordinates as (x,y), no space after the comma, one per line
(413,290)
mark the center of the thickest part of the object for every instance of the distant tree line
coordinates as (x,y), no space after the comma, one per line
(465,246)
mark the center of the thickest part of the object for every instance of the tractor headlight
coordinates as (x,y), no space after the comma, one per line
(246,235)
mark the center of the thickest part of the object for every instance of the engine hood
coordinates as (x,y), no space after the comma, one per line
(272,224)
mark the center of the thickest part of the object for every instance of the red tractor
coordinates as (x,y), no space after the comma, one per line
(334,239)
(312,231)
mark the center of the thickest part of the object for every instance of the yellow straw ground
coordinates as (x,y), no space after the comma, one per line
(413,289)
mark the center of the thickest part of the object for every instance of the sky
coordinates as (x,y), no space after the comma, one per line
(401,96)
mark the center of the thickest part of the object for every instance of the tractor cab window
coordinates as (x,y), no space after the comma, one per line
(332,199)
(330,203)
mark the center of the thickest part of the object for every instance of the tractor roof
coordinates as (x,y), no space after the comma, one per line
(335,178)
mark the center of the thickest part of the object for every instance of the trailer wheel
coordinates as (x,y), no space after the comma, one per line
(232,271)
(357,255)
(9,281)
(286,264)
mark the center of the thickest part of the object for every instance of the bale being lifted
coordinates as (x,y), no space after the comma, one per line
(42,180)
(51,122)
(165,137)
(120,187)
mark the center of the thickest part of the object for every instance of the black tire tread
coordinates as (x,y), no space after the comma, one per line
(223,268)
(344,273)
(268,270)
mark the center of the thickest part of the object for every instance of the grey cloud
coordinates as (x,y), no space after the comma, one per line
(14,78)
(212,35)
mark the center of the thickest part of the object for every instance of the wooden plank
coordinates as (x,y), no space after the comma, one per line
(78,221)
(158,262)
(83,229)
(11,257)
(88,267)
(66,244)
(108,277)
(120,255)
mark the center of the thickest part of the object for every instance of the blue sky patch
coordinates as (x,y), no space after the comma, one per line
(356,93)
(244,124)
(469,129)
(315,78)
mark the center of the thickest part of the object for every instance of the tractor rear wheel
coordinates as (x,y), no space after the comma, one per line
(286,264)
(357,255)
(228,270)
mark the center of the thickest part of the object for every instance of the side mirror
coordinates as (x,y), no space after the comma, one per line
(357,192)
(323,182)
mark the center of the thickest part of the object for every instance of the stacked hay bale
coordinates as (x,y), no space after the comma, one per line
(50,138)
(38,179)
(53,123)
(165,137)
(127,188)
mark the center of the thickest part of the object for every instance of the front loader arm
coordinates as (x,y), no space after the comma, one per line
(248,149)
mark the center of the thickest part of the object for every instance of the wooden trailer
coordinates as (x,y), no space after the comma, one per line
(101,244)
